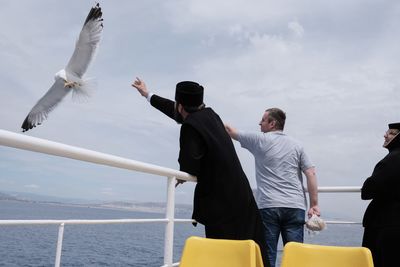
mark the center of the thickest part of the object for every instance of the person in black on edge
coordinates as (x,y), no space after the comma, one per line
(223,199)
(382,217)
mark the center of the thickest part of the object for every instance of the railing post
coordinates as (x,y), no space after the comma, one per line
(59,245)
(169,228)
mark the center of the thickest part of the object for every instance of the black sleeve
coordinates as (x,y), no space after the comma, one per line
(192,150)
(164,105)
(384,181)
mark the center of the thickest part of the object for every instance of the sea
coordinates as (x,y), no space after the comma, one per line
(114,244)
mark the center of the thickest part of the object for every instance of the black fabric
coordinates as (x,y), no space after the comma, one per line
(383,187)
(384,245)
(383,213)
(223,199)
(221,180)
(167,107)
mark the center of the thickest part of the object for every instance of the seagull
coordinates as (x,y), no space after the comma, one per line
(71,78)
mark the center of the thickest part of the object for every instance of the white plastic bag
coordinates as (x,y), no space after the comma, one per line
(315,224)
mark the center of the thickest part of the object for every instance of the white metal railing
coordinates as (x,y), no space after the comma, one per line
(25,142)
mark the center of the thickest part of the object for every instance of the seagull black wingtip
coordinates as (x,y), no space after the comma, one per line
(94,13)
(26,125)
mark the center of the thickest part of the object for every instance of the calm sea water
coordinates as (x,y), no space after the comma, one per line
(109,245)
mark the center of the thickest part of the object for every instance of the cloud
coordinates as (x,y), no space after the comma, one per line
(107,191)
(32,186)
(296,28)
(331,67)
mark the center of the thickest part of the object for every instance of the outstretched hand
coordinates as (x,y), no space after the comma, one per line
(141,87)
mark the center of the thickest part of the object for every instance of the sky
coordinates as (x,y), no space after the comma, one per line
(332,66)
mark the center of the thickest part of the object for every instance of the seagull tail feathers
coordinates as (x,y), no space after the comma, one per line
(85,91)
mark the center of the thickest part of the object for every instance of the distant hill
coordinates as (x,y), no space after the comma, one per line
(157,207)
(4,196)
(22,196)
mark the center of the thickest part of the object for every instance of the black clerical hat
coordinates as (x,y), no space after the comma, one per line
(394,125)
(189,94)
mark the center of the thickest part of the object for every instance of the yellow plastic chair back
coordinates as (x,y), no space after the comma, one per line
(207,252)
(309,255)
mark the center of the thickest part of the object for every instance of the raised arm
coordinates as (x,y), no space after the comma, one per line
(164,105)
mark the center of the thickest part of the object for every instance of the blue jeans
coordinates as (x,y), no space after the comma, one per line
(288,222)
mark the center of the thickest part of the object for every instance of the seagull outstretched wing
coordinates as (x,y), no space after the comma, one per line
(70,78)
(87,44)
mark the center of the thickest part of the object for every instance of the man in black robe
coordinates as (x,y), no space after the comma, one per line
(382,218)
(223,199)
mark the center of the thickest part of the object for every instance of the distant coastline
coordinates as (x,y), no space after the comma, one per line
(151,207)
(127,205)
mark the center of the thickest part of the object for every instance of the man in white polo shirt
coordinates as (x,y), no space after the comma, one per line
(280,161)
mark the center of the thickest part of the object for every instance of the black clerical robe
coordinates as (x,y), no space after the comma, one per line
(223,199)
(382,217)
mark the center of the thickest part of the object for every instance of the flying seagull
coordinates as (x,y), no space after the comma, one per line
(71,78)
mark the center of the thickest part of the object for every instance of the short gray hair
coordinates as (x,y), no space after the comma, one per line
(277,115)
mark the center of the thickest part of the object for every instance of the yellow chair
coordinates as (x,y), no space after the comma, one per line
(207,252)
(309,255)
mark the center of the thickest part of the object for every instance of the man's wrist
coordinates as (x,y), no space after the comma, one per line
(149,95)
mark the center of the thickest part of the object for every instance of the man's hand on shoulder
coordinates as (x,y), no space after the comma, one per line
(231,131)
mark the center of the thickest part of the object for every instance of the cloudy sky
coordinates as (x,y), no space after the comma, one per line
(333,66)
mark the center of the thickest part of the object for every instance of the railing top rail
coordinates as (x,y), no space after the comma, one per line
(339,189)
(30,143)
(25,142)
